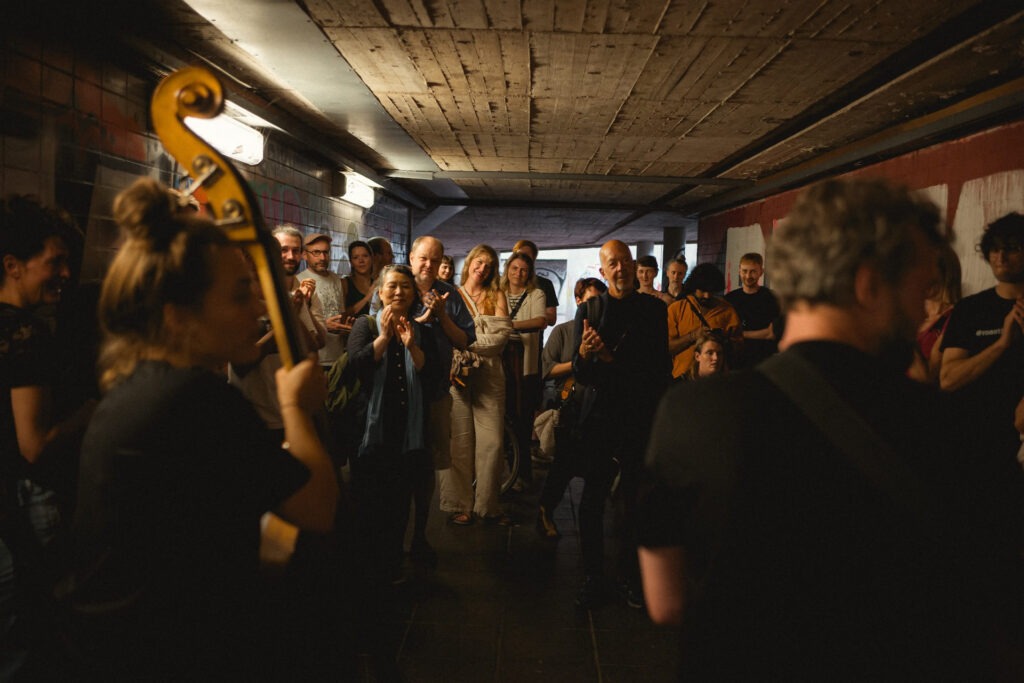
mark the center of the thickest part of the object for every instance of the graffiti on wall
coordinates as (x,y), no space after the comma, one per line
(980,201)
(973,181)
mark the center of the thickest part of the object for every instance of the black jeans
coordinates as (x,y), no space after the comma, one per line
(598,480)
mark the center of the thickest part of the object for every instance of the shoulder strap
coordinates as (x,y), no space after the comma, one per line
(848,432)
(469,302)
(519,304)
(696,309)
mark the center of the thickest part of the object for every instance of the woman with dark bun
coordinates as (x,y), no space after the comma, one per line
(177,469)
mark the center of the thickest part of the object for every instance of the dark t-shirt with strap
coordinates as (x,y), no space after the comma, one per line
(796,566)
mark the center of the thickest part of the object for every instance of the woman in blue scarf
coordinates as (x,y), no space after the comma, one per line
(387,352)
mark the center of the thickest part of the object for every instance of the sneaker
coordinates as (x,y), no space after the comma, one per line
(633,594)
(591,593)
(545,527)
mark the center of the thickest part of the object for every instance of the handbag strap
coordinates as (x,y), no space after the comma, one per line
(469,302)
(845,429)
(515,309)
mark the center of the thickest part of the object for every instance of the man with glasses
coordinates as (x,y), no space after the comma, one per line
(329,293)
(983,360)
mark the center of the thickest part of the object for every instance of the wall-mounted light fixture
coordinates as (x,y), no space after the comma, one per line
(354,188)
(230,137)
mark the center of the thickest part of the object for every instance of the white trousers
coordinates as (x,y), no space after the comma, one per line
(477,450)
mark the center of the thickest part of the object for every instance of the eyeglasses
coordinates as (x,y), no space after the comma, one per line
(318,252)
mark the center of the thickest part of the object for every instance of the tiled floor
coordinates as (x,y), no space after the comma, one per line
(499,607)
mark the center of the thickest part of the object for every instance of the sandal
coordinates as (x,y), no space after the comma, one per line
(461,518)
(500,520)
(545,527)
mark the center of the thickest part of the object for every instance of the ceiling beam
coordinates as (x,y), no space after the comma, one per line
(434,219)
(582,177)
(1008,97)
(550,204)
(959,30)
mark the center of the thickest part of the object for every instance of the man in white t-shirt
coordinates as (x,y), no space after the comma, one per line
(328,293)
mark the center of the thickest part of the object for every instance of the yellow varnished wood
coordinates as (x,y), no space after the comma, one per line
(196,91)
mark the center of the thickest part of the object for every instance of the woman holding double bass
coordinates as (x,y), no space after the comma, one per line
(177,468)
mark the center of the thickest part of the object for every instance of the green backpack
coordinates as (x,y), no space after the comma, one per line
(343,381)
(346,407)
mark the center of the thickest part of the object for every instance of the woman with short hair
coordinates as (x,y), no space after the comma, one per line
(446,271)
(387,353)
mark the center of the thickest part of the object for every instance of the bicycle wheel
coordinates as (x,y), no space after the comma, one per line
(512,455)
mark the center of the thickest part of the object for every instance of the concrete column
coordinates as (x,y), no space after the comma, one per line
(644,248)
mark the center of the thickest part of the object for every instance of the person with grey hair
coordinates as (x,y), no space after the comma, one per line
(813,517)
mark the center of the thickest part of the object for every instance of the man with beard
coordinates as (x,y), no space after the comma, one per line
(623,357)
(700,310)
(306,305)
(807,519)
(983,363)
(329,294)
(447,324)
(757,308)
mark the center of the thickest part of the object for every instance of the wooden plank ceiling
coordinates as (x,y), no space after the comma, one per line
(670,89)
(746,91)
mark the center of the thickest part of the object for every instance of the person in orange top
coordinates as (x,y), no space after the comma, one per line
(700,310)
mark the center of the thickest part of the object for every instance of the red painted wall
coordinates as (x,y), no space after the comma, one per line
(952,164)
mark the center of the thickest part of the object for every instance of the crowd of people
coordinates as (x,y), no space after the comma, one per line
(804,513)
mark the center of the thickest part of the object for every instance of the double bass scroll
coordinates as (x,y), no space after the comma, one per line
(196,91)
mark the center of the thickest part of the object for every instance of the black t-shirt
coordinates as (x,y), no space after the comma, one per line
(550,295)
(26,360)
(757,311)
(797,568)
(975,324)
(352,297)
(635,330)
(176,471)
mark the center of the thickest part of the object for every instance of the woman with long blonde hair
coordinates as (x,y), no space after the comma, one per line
(478,404)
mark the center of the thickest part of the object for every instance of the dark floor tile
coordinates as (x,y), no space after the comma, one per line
(637,647)
(540,642)
(539,671)
(617,615)
(638,674)
(451,641)
(418,670)
(460,610)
